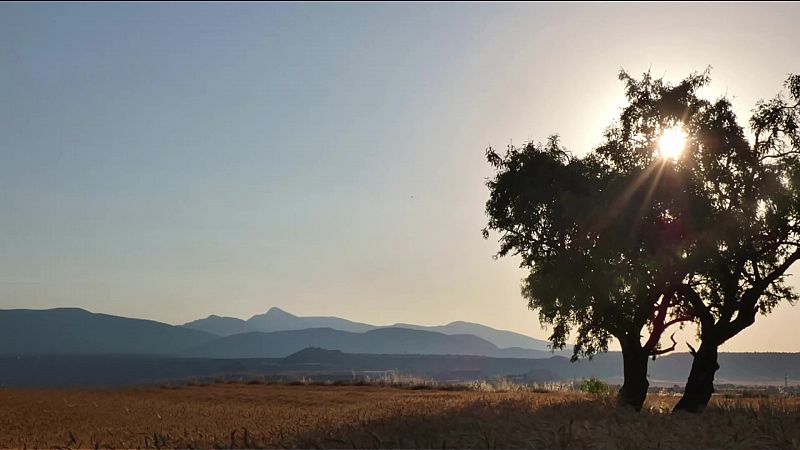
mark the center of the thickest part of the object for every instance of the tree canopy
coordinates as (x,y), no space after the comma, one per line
(625,242)
(601,235)
(748,197)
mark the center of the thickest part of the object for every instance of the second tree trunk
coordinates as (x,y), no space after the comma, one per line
(700,385)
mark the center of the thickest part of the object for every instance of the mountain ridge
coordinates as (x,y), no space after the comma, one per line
(278,344)
(75,331)
(276,319)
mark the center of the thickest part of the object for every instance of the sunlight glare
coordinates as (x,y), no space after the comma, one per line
(671,143)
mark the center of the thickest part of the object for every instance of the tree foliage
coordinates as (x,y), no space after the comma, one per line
(599,234)
(749,198)
(622,242)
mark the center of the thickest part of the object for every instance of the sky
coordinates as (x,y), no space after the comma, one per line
(174,160)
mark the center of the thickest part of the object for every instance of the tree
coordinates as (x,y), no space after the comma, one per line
(601,235)
(748,199)
(626,241)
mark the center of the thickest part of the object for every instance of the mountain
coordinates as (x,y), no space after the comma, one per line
(72,331)
(71,346)
(500,338)
(277,319)
(80,332)
(221,326)
(379,341)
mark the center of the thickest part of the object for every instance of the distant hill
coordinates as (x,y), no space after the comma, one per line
(221,326)
(735,368)
(79,332)
(38,371)
(73,347)
(314,364)
(378,341)
(72,331)
(277,319)
(500,338)
(441,367)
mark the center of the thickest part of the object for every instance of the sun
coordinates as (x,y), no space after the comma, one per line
(671,143)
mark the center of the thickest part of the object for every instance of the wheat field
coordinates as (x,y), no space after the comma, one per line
(282,416)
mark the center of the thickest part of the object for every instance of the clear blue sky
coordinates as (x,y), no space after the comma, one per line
(170,161)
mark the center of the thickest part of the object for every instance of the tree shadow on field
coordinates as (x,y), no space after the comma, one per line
(535,421)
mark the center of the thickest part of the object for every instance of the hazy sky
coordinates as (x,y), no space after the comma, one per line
(171,161)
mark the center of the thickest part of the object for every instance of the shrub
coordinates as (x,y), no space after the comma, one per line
(595,386)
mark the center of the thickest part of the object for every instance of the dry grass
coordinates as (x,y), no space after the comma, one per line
(252,415)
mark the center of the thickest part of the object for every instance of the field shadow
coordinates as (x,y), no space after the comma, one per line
(517,422)
(531,421)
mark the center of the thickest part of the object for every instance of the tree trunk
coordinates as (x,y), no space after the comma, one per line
(634,387)
(700,385)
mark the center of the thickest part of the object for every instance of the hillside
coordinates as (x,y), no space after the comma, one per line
(71,331)
(79,332)
(379,341)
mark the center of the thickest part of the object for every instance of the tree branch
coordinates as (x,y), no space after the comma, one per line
(655,353)
(748,305)
(678,320)
(702,311)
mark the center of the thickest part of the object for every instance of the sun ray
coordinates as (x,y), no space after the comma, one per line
(626,195)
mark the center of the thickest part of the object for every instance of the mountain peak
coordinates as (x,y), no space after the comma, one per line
(277,312)
(219,325)
(461,322)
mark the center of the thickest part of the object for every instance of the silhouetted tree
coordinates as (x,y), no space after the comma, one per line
(747,200)
(623,240)
(603,235)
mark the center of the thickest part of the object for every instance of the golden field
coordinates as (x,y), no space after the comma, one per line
(283,416)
